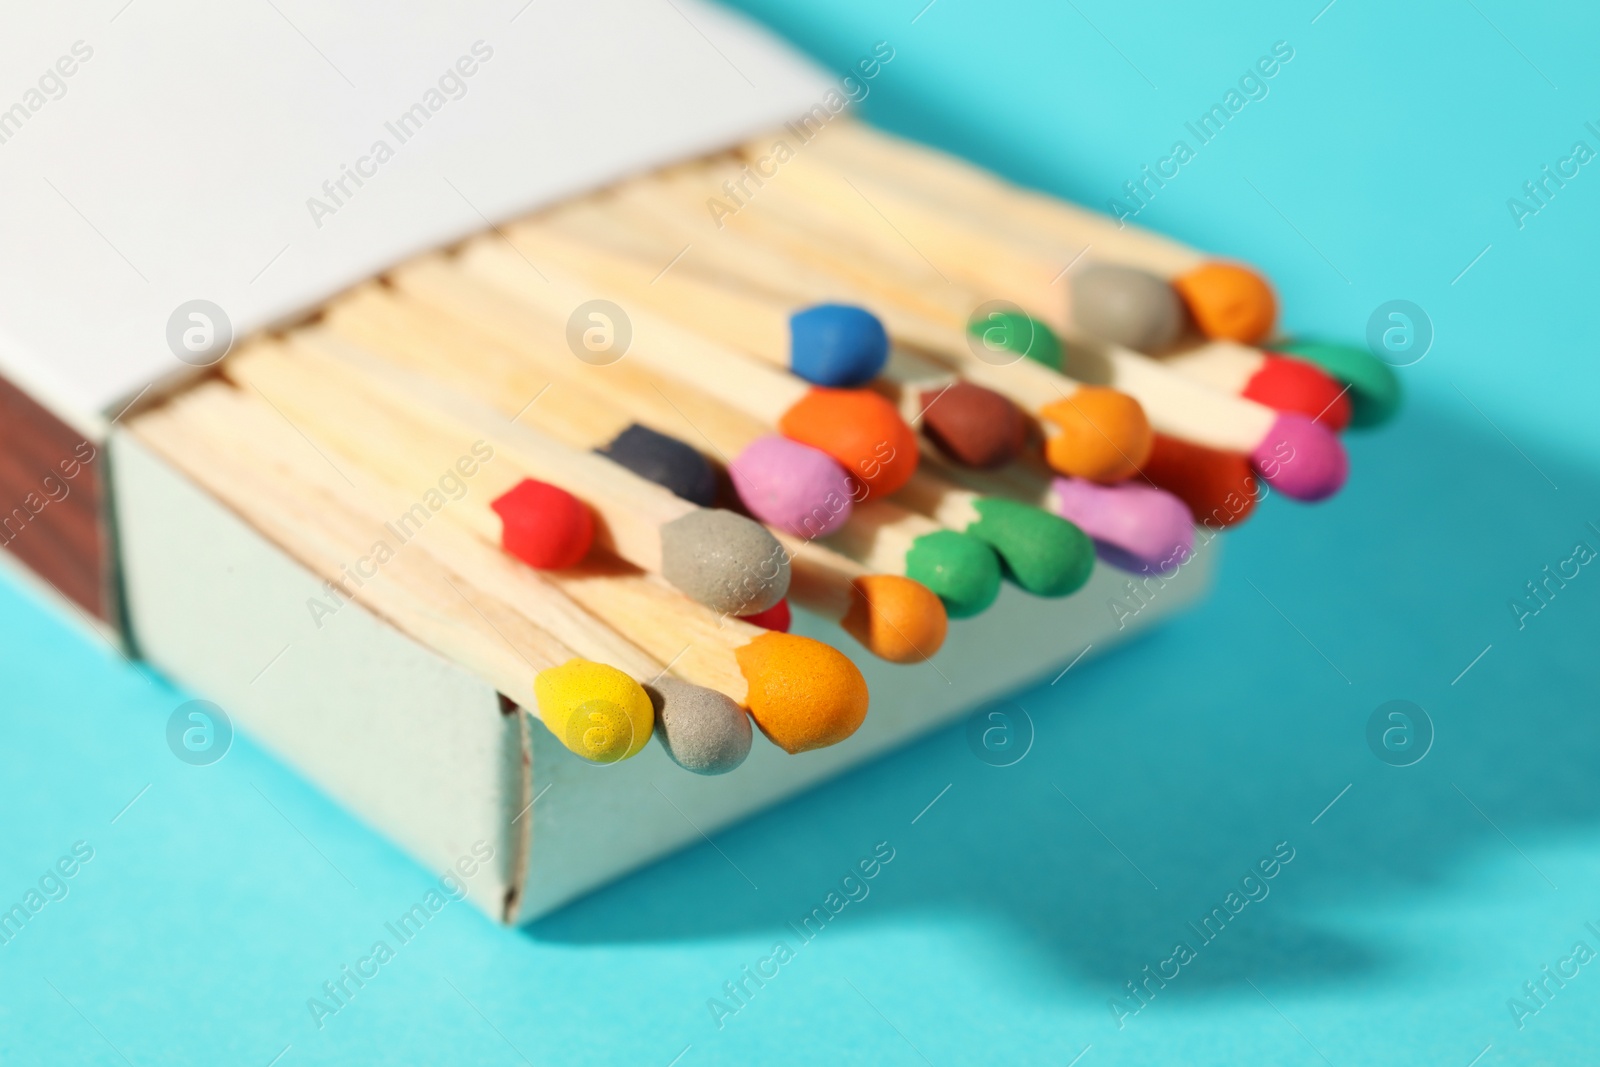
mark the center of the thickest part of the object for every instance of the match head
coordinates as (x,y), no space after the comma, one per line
(778,617)
(961,570)
(544,526)
(1301,459)
(896,618)
(1219,488)
(791,486)
(1229,302)
(666,461)
(1105,436)
(974,426)
(1374,386)
(595,710)
(1287,384)
(701,729)
(1142,526)
(837,345)
(861,430)
(1043,553)
(1127,306)
(803,694)
(725,561)
(1013,331)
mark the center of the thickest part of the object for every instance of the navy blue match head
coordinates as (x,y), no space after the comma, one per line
(837,345)
(666,461)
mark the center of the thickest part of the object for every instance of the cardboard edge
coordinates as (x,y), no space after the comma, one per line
(411,743)
(598,824)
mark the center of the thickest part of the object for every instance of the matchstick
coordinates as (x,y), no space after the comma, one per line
(892,616)
(1116,305)
(1100,436)
(1299,457)
(783,482)
(1045,554)
(1227,301)
(409,432)
(857,428)
(802,693)
(1126,283)
(596,693)
(1134,525)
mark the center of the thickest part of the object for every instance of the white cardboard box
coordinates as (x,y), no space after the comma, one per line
(429,754)
(130,193)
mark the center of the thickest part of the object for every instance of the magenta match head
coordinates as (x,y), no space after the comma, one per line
(1301,459)
(792,486)
(1144,527)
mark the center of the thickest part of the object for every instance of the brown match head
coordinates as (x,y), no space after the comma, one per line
(974,426)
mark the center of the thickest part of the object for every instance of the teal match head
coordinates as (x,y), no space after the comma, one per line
(962,570)
(1043,553)
(1374,386)
(837,345)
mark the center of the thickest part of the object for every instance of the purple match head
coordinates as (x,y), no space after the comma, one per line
(1301,459)
(1136,526)
(792,486)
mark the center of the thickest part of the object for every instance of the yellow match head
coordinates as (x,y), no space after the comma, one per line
(596,711)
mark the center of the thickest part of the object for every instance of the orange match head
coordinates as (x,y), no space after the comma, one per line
(896,618)
(803,694)
(1229,302)
(1105,436)
(1219,487)
(861,430)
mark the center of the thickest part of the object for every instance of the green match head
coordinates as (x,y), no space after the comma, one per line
(961,569)
(1014,331)
(1374,386)
(1043,553)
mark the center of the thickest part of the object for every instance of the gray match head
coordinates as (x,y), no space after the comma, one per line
(1127,307)
(725,561)
(702,730)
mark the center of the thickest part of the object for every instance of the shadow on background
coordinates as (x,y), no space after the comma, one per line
(1184,769)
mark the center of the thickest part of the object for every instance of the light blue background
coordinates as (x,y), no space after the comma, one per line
(1377,168)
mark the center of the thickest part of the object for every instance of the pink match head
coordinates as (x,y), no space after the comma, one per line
(792,486)
(1142,527)
(1301,459)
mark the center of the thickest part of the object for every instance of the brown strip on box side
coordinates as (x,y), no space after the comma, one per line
(52,502)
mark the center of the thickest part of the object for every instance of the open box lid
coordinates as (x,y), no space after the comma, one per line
(156,152)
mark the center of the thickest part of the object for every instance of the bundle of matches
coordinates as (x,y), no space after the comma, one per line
(1206,441)
(1211,320)
(895,418)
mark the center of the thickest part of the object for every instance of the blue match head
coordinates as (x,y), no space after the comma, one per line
(837,345)
(666,461)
